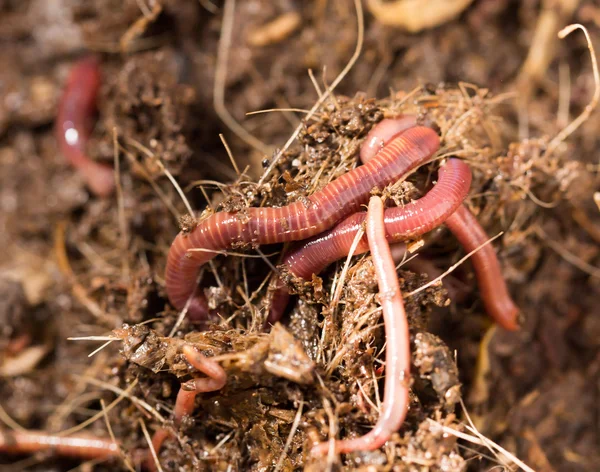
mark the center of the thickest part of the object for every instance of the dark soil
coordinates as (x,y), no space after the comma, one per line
(74,265)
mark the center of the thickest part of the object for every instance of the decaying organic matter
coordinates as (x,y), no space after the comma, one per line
(75,265)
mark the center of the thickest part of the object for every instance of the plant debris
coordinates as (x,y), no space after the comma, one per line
(78,266)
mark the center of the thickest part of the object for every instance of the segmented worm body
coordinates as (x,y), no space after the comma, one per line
(215,380)
(401,223)
(184,405)
(81,447)
(382,133)
(465,227)
(299,220)
(404,151)
(494,293)
(397,354)
(74,122)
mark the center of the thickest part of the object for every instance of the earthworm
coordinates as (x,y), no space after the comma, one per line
(184,405)
(397,354)
(376,139)
(470,235)
(215,380)
(74,123)
(494,293)
(382,132)
(401,224)
(297,221)
(81,447)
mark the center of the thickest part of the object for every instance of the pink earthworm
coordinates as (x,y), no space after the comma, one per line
(382,132)
(401,224)
(494,293)
(376,139)
(74,123)
(299,220)
(184,405)
(471,235)
(397,354)
(80,447)
(215,380)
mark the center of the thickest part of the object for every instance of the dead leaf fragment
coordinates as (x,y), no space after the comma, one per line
(416,15)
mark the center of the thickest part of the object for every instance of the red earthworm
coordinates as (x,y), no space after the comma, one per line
(81,447)
(299,220)
(382,133)
(471,235)
(74,122)
(184,405)
(215,380)
(494,293)
(401,224)
(397,354)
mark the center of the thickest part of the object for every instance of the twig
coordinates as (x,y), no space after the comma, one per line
(121,209)
(340,282)
(182,314)
(79,291)
(322,98)
(290,437)
(8,421)
(123,394)
(165,171)
(487,442)
(269,110)
(150,445)
(220,79)
(567,255)
(230,154)
(313,79)
(93,338)
(112,437)
(478,440)
(585,114)
(144,8)
(231,253)
(209,6)
(142,170)
(96,351)
(564,94)
(452,268)
(220,444)
(136,401)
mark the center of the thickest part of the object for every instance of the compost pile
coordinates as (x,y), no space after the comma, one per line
(492,78)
